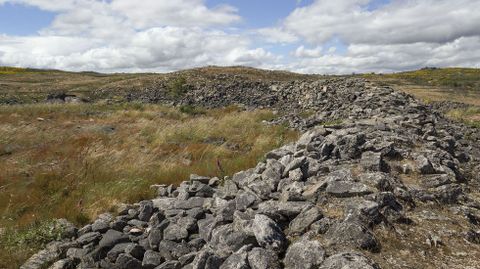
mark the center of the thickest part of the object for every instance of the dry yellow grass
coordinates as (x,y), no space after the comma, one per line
(75,161)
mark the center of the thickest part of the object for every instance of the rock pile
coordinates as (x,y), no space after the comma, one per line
(388,187)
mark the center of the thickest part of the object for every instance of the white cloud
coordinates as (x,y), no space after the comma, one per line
(341,36)
(148,13)
(396,36)
(122,35)
(464,51)
(433,21)
(302,52)
(277,35)
(160,48)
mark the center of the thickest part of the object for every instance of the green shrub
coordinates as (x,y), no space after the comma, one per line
(178,87)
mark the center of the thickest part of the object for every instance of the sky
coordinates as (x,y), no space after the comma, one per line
(307,36)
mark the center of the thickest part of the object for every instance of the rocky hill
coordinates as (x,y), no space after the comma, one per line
(377,180)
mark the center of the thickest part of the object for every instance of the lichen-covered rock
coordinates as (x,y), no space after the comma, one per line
(268,234)
(304,254)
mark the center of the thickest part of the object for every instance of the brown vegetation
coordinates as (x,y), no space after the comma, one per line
(75,161)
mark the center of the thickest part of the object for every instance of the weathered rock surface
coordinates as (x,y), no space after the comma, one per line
(392,177)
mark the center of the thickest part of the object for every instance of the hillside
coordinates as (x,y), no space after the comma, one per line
(375,171)
(19,86)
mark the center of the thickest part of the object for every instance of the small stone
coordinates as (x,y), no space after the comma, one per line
(202,179)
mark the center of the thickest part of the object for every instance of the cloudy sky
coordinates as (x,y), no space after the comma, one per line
(310,36)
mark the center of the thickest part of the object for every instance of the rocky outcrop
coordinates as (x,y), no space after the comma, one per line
(384,188)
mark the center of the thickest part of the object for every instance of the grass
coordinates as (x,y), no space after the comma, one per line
(75,161)
(469,116)
(432,85)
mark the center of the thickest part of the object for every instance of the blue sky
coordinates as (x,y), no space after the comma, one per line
(310,36)
(16,19)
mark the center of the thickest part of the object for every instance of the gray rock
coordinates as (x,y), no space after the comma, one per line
(156,234)
(201,179)
(345,189)
(260,258)
(206,260)
(473,236)
(245,199)
(206,226)
(43,258)
(89,238)
(303,221)
(111,238)
(225,212)
(321,226)
(170,265)
(241,178)
(151,259)
(449,193)
(372,161)
(348,260)
(125,261)
(190,203)
(237,260)
(262,188)
(278,153)
(163,203)
(296,175)
(171,250)
(367,212)
(135,251)
(276,210)
(200,190)
(273,170)
(293,192)
(296,163)
(228,191)
(268,234)
(351,233)
(304,254)
(112,255)
(187,258)
(63,264)
(145,211)
(118,224)
(100,226)
(196,213)
(225,240)
(423,165)
(175,232)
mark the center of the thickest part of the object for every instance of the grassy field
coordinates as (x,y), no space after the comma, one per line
(460,85)
(446,84)
(75,161)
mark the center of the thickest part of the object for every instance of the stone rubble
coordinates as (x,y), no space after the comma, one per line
(282,213)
